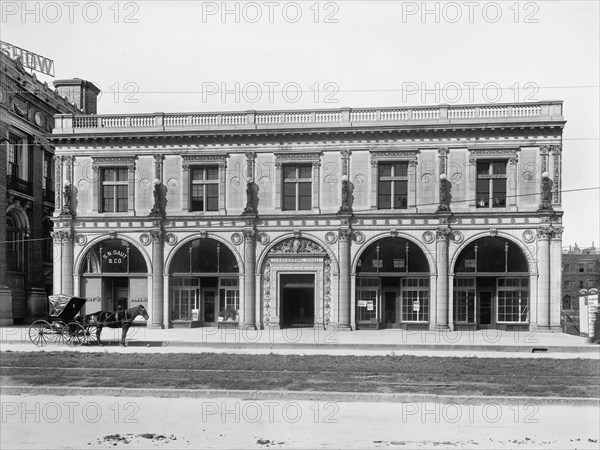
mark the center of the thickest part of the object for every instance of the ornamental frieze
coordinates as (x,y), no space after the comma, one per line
(297,245)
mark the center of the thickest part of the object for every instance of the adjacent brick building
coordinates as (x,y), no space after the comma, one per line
(27,193)
(581,272)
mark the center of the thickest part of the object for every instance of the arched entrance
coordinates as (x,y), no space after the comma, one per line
(491,285)
(204,285)
(114,275)
(392,285)
(297,288)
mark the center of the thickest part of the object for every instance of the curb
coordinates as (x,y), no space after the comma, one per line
(575,350)
(252,395)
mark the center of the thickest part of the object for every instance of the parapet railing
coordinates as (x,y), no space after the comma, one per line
(542,111)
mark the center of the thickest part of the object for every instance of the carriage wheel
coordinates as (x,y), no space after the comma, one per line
(41,333)
(73,334)
(90,334)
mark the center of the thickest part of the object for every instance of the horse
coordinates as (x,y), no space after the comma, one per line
(120,319)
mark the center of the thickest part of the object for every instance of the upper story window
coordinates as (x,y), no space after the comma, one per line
(14,245)
(297,187)
(204,188)
(115,186)
(491,184)
(16,166)
(392,188)
(48,177)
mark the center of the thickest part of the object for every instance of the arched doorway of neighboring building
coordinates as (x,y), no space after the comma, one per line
(392,285)
(204,285)
(114,275)
(491,285)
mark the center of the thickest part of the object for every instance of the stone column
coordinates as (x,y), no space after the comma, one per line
(66,262)
(156,315)
(555,278)
(442,234)
(249,278)
(345,237)
(543,291)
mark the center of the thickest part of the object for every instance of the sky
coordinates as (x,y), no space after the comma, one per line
(193,56)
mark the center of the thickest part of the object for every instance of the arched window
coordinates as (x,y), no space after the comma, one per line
(567,302)
(392,255)
(492,254)
(114,256)
(204,256)
(15,245)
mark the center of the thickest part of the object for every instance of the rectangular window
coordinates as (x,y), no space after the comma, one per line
(48,177)
(297,187)
(392,186)
(367,304)
(415,300)
(16,163)
(204,186)
(491,184)
(513,300)
(464,300)
(115,190)
(229,300)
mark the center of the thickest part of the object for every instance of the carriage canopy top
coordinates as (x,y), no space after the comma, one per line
(65,307)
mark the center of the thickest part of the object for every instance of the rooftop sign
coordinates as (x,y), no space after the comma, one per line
(28,59)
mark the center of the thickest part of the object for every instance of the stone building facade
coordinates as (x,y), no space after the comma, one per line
(27,194)
(443,217)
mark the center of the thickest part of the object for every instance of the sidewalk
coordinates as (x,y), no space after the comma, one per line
(331,341)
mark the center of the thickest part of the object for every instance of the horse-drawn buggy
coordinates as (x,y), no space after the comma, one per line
(66,325)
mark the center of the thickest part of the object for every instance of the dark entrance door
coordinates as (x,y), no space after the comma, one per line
(389,299)
(485,308)
(115,293)
(297,300)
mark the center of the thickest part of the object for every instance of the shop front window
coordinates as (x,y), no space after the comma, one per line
(415,300)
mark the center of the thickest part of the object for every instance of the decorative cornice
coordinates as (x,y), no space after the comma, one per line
(510,153)
(283,158)
(190,160)
(102,161)
(398,155)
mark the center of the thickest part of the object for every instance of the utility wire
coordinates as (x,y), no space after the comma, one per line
(371,210)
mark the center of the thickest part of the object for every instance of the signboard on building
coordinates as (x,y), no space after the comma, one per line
(588,305)
(114,260)
(28,59)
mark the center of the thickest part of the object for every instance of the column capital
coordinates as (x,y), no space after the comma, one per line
(442,233)
(544,232)
(62,236)
(249,235)
(345,234)
(157,236)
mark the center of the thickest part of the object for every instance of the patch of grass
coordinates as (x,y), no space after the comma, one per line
(410,374)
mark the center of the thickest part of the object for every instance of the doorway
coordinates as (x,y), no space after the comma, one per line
(297,300)
(486,309)
(116,293)
(389,308)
